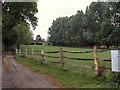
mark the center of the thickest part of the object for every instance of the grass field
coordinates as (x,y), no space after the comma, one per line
(72,77)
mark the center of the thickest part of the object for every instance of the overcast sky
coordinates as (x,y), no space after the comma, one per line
(49,10)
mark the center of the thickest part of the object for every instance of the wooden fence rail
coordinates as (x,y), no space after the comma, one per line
(85,51)
(62,57)
(52,56)
(78,58)
(53,52)
(79,51)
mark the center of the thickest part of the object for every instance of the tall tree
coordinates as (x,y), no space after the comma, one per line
(93,21)
(23,34)
(110,25)
(57,31)
(13,14)
(75,30)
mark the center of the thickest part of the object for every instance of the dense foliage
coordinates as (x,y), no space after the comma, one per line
(99,25)
(16,20)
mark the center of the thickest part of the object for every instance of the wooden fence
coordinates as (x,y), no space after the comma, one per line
(62,56)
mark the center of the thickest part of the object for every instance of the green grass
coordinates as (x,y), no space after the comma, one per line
(72,77)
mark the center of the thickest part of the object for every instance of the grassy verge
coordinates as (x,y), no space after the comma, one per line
(72,77)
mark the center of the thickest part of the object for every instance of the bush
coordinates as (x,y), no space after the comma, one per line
(114,80)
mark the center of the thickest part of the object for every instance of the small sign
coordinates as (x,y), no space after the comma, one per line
(115,57)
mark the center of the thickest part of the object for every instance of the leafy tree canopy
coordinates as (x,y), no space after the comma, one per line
(16,20)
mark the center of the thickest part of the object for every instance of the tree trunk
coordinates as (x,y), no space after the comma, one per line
(107,46)
(18,46)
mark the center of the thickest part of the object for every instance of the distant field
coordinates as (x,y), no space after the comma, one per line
(73,76)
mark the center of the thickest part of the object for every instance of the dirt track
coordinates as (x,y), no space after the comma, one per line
(15,75)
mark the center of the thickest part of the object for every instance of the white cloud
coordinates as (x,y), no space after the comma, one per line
(49,10)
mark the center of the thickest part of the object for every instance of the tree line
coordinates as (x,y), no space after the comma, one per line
(99,25)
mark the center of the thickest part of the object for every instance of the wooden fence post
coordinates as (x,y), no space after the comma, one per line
(26,52)
(43,56)
(16,51)
(62,58)
(96,60)
(33,54)
(19,51)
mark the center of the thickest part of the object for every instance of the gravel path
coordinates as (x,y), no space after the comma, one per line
(15,75)
(0,71)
